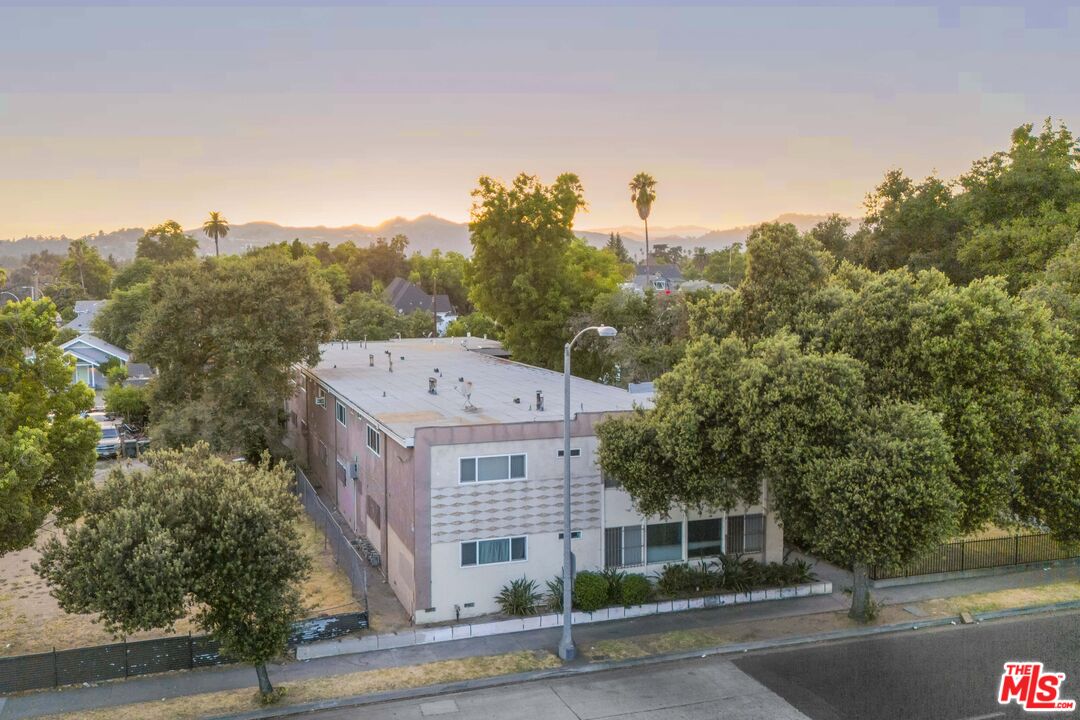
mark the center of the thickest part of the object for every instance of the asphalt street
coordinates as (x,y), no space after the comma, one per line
(946,674)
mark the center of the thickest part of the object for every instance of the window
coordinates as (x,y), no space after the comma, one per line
(491,552)
(342,413)
(574,535)
(320,398)
(754,533)
(574,452)
(492,468)
(663,542)
(622,546)
(611,482)
(374,440)
(746,533)
(704,538)
(374,512)
(342,473)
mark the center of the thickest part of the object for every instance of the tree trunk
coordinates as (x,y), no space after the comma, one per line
(217,253)
(264,680)
(648,273)
(860,592)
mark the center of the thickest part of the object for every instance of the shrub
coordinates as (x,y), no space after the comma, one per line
(799,572)
(590,591)
(682,579)
(520,597)
(635,590)
(736,575)
(554,597)
(614,579)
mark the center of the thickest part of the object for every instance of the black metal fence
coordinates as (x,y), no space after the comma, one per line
(141,657)
(345,553)
(977,554)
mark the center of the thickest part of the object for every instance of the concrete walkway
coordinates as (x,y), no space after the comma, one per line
(157,687)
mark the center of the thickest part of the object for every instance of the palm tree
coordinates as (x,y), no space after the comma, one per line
(643,195)
(216,227)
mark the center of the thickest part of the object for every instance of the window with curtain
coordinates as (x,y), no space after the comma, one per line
(491,468)
(491,552)
(663,542)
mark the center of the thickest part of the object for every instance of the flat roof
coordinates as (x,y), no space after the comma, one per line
(400,400)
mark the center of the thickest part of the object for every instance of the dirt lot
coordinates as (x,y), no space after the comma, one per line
(31,620)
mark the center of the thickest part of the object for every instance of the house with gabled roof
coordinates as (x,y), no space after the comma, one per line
(91,353)
(85,312)
(407,298)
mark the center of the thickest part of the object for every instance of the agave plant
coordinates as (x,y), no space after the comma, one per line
(520,597)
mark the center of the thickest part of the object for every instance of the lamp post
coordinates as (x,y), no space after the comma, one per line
(567,651)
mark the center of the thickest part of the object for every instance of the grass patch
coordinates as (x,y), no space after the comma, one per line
(323,688)
(1011,598)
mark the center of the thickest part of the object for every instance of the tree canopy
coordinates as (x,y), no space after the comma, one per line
(46,448)
(529,273)
(85,268)
(194,534)
(166,243)
(222,334)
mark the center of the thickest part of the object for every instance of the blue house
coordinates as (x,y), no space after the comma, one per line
(90,353)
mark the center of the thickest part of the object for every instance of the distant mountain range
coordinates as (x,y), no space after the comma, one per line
(425,234)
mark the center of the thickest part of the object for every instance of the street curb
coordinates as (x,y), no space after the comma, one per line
(585,669)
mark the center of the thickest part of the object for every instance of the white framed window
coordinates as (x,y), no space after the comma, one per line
(342,413)
(705,538)
(745,534)
(663,542)
(574,452)
(494,551)
(624,546)
(374,440)
(492,468)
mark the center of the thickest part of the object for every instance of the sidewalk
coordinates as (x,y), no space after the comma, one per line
(157,687)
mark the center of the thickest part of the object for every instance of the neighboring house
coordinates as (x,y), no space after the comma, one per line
(138,374)
(407,298)
(90,353)
(85,312)
(449,461)
(665,278)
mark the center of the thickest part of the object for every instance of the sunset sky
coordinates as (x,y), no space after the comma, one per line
(339,114)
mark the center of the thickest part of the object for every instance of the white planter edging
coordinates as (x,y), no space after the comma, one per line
(423,636)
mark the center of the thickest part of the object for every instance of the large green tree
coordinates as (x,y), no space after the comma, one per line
(84,267)
(528,273)
(166,243)
(732,424)
(222,334)
(194,534)
(118,320)
(46,448)
(364,316)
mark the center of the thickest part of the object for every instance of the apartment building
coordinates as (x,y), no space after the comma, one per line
(448,458)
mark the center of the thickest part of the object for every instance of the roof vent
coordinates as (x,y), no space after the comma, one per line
(371,361)
(539,401)
(431,386)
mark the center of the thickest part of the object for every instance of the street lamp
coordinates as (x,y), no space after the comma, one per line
(567,651)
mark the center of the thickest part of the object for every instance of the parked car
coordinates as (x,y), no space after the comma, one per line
(110,443)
